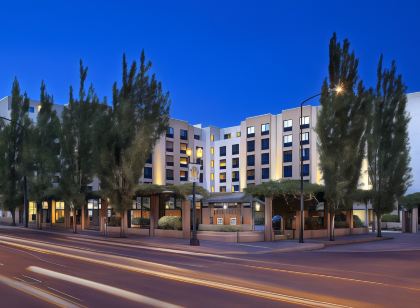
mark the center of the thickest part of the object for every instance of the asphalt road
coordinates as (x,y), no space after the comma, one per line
(44,269)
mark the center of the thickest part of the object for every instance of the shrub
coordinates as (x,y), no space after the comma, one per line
(220,228)
(390,218)
(170,223)
(140,221)
(357,222)
(313,223)
(340,224)
(114,221)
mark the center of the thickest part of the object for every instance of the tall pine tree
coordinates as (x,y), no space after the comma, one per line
(12,143)
(341,129)
(139,116)
(387,142)
(77,143)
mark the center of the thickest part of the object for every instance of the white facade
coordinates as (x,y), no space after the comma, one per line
(413,109)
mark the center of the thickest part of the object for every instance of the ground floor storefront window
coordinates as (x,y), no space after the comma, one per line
(59,212)
(139,215)
(172,206)
(93,209)
(46,218)
(32,211)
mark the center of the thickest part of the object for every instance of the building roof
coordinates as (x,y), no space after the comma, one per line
(231,197)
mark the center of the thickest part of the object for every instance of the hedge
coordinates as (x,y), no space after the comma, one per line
(170,223)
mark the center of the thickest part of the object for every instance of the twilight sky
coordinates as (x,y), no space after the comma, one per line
(221,60)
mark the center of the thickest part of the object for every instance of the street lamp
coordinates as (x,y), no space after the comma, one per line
(194,176)
(338,89)
(25,188)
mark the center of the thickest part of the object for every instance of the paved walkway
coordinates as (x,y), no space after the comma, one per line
(365,242)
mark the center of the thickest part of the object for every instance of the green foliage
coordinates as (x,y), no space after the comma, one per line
(44,149)
(184,190)
(313,223)
(289,189)
(13,146)
(170,223)
(77,144)
(114,221)
(127,133)
(140,221)
(410,201)
(390,218)
(220,228)
(387,142)
(357,222)
(341,127)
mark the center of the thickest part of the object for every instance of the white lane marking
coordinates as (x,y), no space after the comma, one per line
(32,278)
(138,298)
(55,290)
(255,246)
(35,292)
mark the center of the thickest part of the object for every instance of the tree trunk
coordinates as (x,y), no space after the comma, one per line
(379,218)
(332,236)
(122,229)
(40,215)
(74,221)
(13,217)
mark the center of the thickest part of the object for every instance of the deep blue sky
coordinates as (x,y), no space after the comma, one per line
(221,61)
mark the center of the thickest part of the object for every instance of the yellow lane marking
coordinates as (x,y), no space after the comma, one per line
(195,281)
(36,292)
(138,298)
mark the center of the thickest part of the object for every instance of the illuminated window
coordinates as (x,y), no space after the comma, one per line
(265,129)
(211,137)
(59,212)
(212,163)
(212,189)
(222,164)
(287,125)
(45,205)
(227,136)
(304,138)
(287,140)
(305,121)
(183,148)
(32,211)
(183,162)
(238,134)
(250,131)
(183,175)
(222,177)
(212,150)
(222,188)
(212,176)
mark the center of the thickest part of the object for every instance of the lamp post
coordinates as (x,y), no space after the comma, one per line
(337,89)
(194,176)
(25,187)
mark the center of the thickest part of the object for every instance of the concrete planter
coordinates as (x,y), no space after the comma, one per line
(168,233)
(315,233)
(231,237)
(138,231)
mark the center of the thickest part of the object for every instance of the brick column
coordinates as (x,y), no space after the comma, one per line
(268,225)
(414,220)
(186,219)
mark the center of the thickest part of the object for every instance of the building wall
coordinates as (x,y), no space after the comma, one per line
(413,109)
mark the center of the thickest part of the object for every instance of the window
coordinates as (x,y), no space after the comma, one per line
(140,213)
(235,188)
(183,175)
(201,177)
(170,132)
(287,156)
(265,144)
(222,177)
(235,176)
(287,171)
(250,160)
(183,134)
(265,173)
(212,150)
(147,172)
(304,138)
(305,170)
(31,109)
(222,164)
(227,136)
(304,123)
(169,146)
(305,154)
(265,159)
(238,134)
(149,159)
(222,151)
(250,175)
(211,137)
(212,176)
(32,211)
(183,148)
(287,125)
(250,146)
(169,174)
(222,188)
(212,189)
(183,162)
(287,141)
(235,149)
(59,212)
(169,160)
(265,129)
(212,163)
(197,137)
(250,131)
(235,162)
